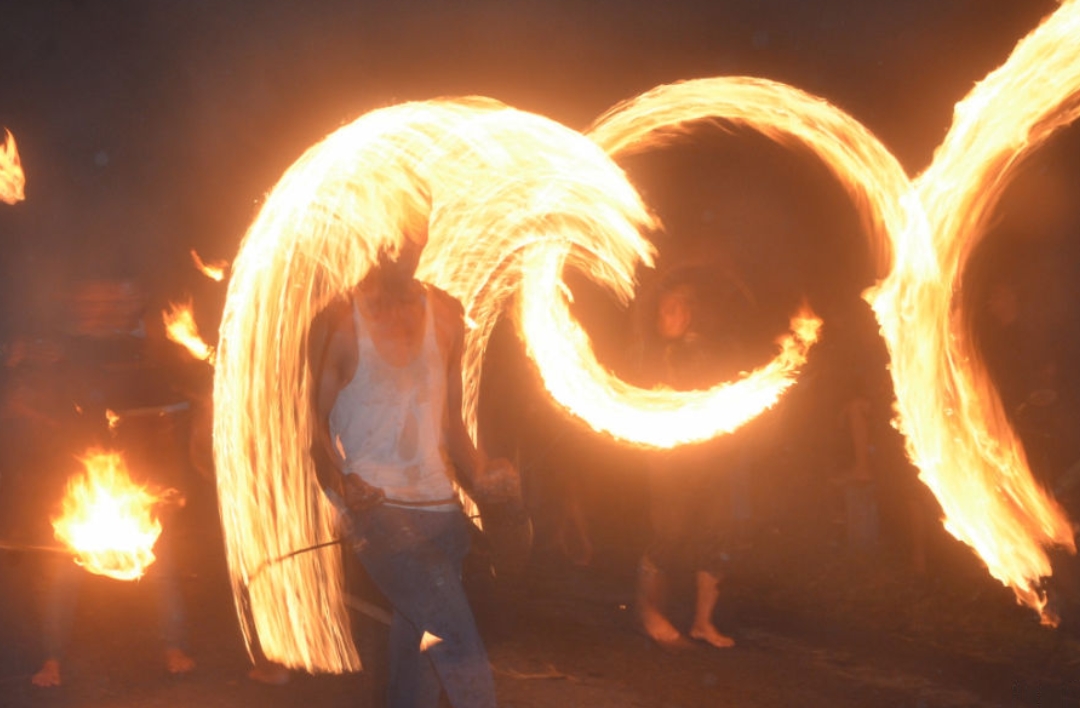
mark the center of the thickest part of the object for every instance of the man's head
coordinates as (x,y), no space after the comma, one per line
(675,311)
(395,273)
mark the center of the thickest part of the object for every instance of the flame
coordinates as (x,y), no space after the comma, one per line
(107,520)
(214,270)
(511,199)
(955,426)
(12,179)
(180,327)
(657,418)
(112,418)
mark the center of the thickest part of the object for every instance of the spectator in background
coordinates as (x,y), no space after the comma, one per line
(106,371)
(858,473)
(690,503)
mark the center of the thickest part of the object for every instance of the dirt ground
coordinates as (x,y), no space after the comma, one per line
(814,626)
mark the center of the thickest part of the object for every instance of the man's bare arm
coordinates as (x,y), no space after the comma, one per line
(485,479)
(329,358)
(469,461)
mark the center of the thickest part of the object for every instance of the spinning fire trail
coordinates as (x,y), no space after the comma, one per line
(512,199)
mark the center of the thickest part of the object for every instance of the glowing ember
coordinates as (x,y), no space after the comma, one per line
(511,199)
(12,179)
(112,418)
(214,270)
(180,327)
(107,520)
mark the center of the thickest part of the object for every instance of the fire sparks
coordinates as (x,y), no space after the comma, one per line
(512,199)
(214,270)
(112,419)
(107,520)
(180,327)
(12,179)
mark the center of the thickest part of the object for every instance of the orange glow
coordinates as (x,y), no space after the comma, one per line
(180,327)
(214,270)
(112,418)
(511,200)
(12,179)
(107,520)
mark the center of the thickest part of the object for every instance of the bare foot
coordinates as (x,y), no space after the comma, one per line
(48,674)
(177,662)
(661,631)
(710,634)
(269,672)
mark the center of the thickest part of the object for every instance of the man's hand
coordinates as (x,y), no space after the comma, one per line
(498,482)
(359,495)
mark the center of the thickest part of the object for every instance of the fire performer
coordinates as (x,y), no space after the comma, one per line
(108,362)
(390,445)
(689,495)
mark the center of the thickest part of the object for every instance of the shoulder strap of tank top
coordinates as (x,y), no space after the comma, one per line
(430,338)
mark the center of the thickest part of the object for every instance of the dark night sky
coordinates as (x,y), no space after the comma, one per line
(149,127)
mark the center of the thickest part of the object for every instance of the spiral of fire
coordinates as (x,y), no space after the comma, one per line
(512,199)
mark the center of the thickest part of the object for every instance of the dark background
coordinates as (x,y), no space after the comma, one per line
(148,128)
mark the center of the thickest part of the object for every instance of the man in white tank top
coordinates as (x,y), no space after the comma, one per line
(391,444)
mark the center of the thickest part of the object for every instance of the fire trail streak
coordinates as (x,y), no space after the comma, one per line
(512,198)
(955,426)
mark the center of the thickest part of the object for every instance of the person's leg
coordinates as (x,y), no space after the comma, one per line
(573,530)
(651,598)
(171,615)
(666,553)
(708,593)
(60,600)
(452,641)
(413,680)
(415,559)
(708,539)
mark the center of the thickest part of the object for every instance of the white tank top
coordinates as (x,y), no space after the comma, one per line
(388,421)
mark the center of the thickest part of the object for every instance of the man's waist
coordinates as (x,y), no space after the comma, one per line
(433,504)
(432,487)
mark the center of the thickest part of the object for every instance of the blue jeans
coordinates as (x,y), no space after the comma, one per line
(414,556)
